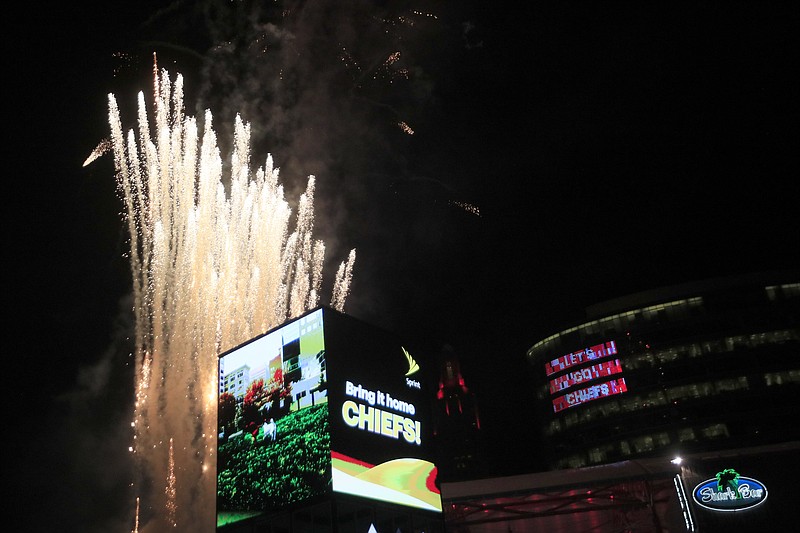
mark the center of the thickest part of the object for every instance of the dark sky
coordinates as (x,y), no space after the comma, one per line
(609,148)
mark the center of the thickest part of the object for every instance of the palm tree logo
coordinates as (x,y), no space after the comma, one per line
(728,478)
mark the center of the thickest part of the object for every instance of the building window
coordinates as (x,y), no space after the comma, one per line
(715,431)
(686,435)
(643,444)
(779,378)
(726,385)
(779,292)
(576,461)
(624,447)
(661,439)
(596,455)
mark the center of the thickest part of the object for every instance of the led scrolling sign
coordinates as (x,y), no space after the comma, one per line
(585,374)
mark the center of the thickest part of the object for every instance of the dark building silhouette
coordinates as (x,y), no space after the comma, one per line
(457,425)
(684,369)
(707,371)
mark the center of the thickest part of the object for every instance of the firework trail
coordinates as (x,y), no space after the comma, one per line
(102,147)
(211,269)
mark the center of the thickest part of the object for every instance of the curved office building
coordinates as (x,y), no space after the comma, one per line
(705,366)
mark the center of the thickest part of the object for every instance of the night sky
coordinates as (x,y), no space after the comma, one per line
(608,148)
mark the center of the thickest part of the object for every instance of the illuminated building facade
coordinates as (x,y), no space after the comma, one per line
(685,369)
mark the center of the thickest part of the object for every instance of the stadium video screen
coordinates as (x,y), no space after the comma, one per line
(380,418)
(322,405)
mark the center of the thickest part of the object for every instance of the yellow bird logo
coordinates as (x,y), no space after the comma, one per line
(412,365)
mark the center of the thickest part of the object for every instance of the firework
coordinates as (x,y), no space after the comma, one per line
(405,127)
(101,148)
(211,269)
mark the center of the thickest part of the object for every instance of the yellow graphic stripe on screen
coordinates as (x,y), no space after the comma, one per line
(409,479)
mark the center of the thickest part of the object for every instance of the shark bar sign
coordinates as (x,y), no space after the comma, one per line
(729,492)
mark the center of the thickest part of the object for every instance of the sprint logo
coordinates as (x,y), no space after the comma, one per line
(413,368)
